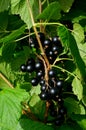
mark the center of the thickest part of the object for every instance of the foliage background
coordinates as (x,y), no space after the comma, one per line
(16,93)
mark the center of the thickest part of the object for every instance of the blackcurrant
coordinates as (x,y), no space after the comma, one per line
(39,74)
(43,87)
(51,73)
(43,95)
(53,92)
(29,68)
(47,43)
(55,49)
(34,82)
(38,65)
(42,82)
(59,84)
(23,68)
(56,40)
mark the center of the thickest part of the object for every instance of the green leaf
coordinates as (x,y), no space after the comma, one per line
(77,88)
(69,127)
(47,14)
(81,120)
(21,7)
(68,40)
(27,124)
(63,33)
(6,70)
(35,90)
(12,36)
(10,107)
(66,4)
(72,106)
(3,20)
(7,51)
(78,33)
(4,5)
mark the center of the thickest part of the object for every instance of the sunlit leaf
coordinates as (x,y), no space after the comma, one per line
(77,88)
(21,7)
(66,4)
(10,107)
(48,14)
(4,5)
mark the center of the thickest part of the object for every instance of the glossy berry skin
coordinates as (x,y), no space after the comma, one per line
(30,68)
(38,65)
(34,82)
(51,73)
(23,68)
(39,74)
(53,92)
(56,40)
(42,82)
(43,87)
(59,84)
(43,95)
(47,43)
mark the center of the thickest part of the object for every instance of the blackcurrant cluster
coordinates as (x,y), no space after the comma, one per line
(52,47)
(51,86)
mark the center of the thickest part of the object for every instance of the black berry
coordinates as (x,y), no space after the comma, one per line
(23,68)
(34,82)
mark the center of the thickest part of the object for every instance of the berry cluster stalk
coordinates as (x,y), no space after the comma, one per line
(38,39)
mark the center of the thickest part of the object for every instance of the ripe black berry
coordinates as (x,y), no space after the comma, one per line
(59,84)
(34,82)
(56,40)
(43,87)
(43,95)
(39,74)
(51,73)
(30,68)
(53,91)
(42,82)
(23,68)
(38,65)
(47,43)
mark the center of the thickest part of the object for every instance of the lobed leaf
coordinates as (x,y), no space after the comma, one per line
(47,14)
(21,7)
(69,42)
(77,88)
(10,107)
(4,5)
(66,4)
(13,35)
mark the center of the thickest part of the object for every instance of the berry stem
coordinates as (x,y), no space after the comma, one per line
(38,39)
(40,10)
(46,111)
(6,80)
